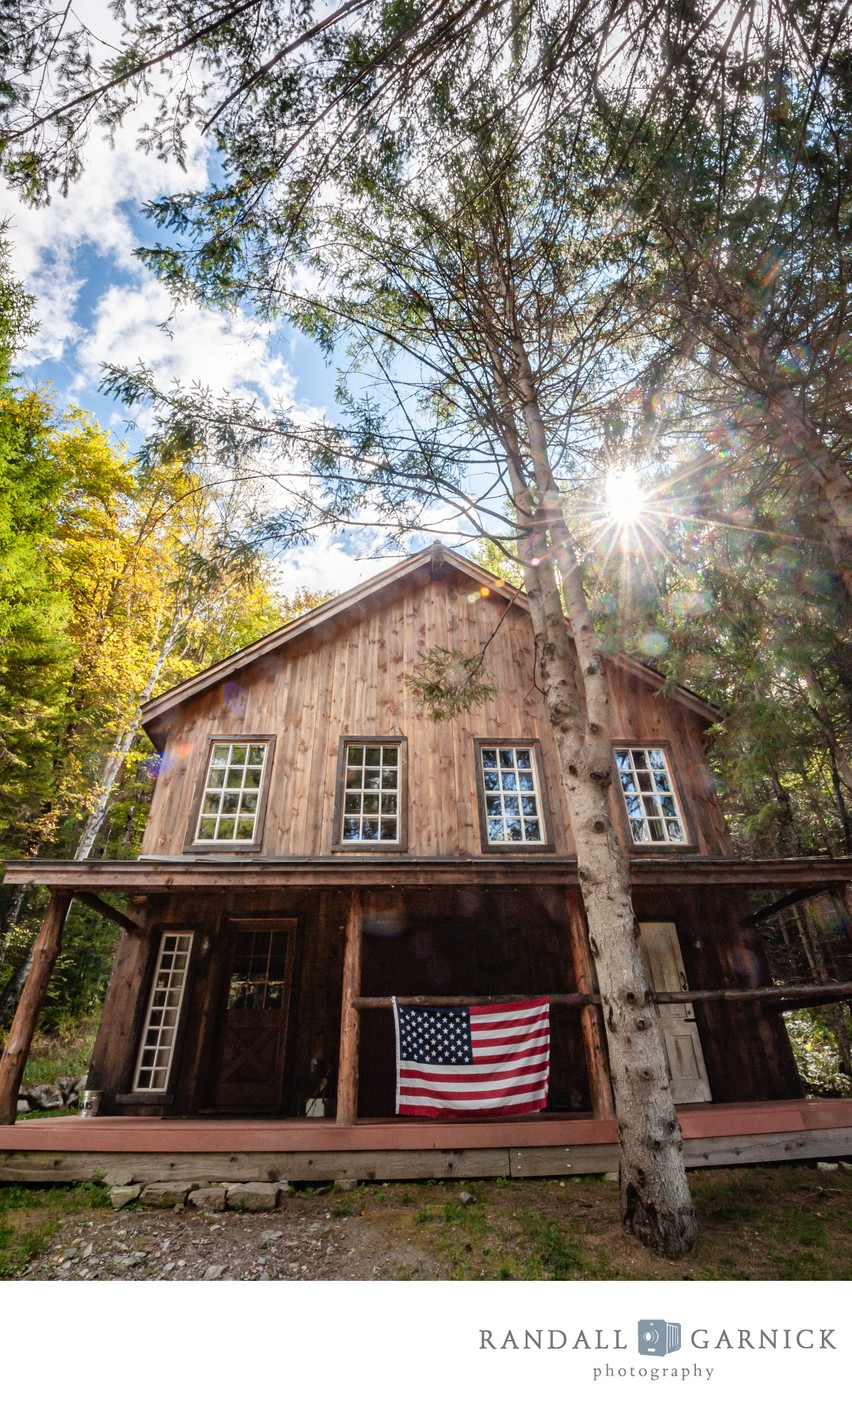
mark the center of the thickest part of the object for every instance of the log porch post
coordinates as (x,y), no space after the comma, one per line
(16,1053)
(350,1021)
(591,1019)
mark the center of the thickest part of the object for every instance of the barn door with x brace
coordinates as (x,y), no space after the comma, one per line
(253,1031)
(664,968)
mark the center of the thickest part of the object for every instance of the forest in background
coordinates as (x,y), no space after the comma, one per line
(117,580)
(712,263)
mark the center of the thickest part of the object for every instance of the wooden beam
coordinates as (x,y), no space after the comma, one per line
(350,1021)
(789,900)
(167,874)
(112,914)
(16,1053)
(785,997)
(591,1018)
(573,1000)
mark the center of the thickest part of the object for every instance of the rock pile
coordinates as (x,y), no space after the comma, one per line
(45,1098)
(201,1196)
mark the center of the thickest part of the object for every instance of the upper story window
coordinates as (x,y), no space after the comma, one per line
(653,811)
(511,795)
(371,793)
(230,809)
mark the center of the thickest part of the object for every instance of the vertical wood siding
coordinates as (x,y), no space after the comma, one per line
(347,678)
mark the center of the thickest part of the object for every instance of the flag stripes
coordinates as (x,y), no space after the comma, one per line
(488,1059)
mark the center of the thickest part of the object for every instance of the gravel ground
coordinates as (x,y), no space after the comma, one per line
(287,1244)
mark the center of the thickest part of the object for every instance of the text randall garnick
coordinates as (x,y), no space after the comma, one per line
(606,1340)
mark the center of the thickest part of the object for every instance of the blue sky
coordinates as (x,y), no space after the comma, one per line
(97,304)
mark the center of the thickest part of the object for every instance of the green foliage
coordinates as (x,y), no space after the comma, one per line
(815,1049)
(449,683)
(67,1049)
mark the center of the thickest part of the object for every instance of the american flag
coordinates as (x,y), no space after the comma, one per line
(490,1060)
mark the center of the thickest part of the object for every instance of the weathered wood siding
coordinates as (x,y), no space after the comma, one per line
(347,678)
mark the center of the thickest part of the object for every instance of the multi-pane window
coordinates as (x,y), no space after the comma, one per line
(372,789)
(513,812)
(649,796)
(158,1042)
(230,802)
(258,977)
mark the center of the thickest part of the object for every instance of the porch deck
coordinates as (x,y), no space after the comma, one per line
(123,1149)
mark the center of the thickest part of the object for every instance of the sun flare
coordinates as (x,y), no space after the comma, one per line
(625,498)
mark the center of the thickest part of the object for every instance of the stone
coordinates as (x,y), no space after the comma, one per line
(23,1106)
(342,1184)
(252,1196)
(67,1085)
(118,1176)
(466,1197)
(208,1198)
(165,1194)
(610,1176)
(44,1097)
(120,1196)
(214,1272)
(828,1166)
(269,1237)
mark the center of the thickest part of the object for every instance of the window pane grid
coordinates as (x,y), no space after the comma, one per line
(649,796)
(371,787)
(512,805)
(229,803)
(257,979)
(157,1048)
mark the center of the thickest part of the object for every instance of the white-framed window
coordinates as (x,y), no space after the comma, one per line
(371,793)
(230,807)
(511,795)
(157,1049)
(653,810)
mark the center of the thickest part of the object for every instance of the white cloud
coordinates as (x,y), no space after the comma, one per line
(228,354)
(327,565)
(53,245)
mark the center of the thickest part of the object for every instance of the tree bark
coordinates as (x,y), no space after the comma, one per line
(14,1058)
(656,1204)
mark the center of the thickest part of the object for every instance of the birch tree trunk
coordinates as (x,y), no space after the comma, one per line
(656,1204)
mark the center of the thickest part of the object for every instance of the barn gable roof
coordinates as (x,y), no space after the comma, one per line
(439,558)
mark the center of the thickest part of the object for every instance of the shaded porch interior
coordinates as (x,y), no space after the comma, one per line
(439,942)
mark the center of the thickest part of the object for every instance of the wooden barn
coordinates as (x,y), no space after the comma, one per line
(318,845)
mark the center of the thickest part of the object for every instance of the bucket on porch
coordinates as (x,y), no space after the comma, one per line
(315,1108)
(90,1102)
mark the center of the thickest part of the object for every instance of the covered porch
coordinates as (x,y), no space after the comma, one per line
(455,930)
(122,1150)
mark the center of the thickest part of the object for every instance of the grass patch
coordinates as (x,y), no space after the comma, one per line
(68,1051)
(31,1216)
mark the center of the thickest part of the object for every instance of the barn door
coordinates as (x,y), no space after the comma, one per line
(253,1030)
(664,967)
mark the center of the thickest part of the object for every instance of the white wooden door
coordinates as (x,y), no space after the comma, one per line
(664,967)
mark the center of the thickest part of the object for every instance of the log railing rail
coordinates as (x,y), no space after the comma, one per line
(787,997)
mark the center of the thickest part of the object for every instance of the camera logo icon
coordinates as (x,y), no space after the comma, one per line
(657,1338)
